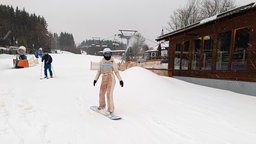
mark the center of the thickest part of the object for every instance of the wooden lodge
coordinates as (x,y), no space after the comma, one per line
(220,47)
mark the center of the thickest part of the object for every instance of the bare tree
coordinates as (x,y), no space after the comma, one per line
(210,8)
(183,17)
(196,10)
(175,22)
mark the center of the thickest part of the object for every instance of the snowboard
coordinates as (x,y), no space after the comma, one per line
(105,113)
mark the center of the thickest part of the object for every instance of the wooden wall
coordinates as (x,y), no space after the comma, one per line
(239,20)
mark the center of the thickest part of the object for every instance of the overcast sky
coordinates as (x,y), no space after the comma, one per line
(103,19)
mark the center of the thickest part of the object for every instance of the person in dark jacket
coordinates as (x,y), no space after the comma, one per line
(47,59)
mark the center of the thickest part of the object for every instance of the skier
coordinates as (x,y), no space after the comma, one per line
(39,53)
(107,67)
(47,64)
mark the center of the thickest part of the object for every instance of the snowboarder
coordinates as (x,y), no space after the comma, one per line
(107,67)
(47,64)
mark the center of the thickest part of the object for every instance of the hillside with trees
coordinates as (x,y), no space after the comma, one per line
(24,29)
(18,27)
(93,46)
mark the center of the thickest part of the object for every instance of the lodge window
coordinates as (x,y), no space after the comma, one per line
(240,49)
(185,54)
(177,57)
(207,55)
(196,54)
(223,50)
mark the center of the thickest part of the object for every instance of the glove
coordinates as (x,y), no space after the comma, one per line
(94,82)
(121,83)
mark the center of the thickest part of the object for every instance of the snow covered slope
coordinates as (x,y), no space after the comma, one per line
(155,109)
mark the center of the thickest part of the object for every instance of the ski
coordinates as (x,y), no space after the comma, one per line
(43,78)
(105,113)
(46,78)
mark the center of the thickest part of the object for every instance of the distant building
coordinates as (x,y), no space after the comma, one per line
(114,52)
(220,47)
(154,54)
(157,53)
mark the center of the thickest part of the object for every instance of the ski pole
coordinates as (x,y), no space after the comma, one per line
(53,71)
(41,70)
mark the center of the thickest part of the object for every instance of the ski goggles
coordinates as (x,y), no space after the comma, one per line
(107,54)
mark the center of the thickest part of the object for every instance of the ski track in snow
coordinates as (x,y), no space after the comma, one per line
(21,119)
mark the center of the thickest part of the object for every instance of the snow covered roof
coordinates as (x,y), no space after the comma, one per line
(114,51)
(2,48)
(210,19)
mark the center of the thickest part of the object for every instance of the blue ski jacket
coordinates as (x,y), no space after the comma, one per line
(47,59)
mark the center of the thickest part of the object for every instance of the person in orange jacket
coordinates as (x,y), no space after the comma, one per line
(107,69)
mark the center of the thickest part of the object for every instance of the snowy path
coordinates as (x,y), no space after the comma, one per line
(154,109)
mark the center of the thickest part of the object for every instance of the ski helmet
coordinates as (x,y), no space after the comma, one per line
(107,53)
(106,50)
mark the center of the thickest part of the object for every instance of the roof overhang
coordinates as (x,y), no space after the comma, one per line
(209,20)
